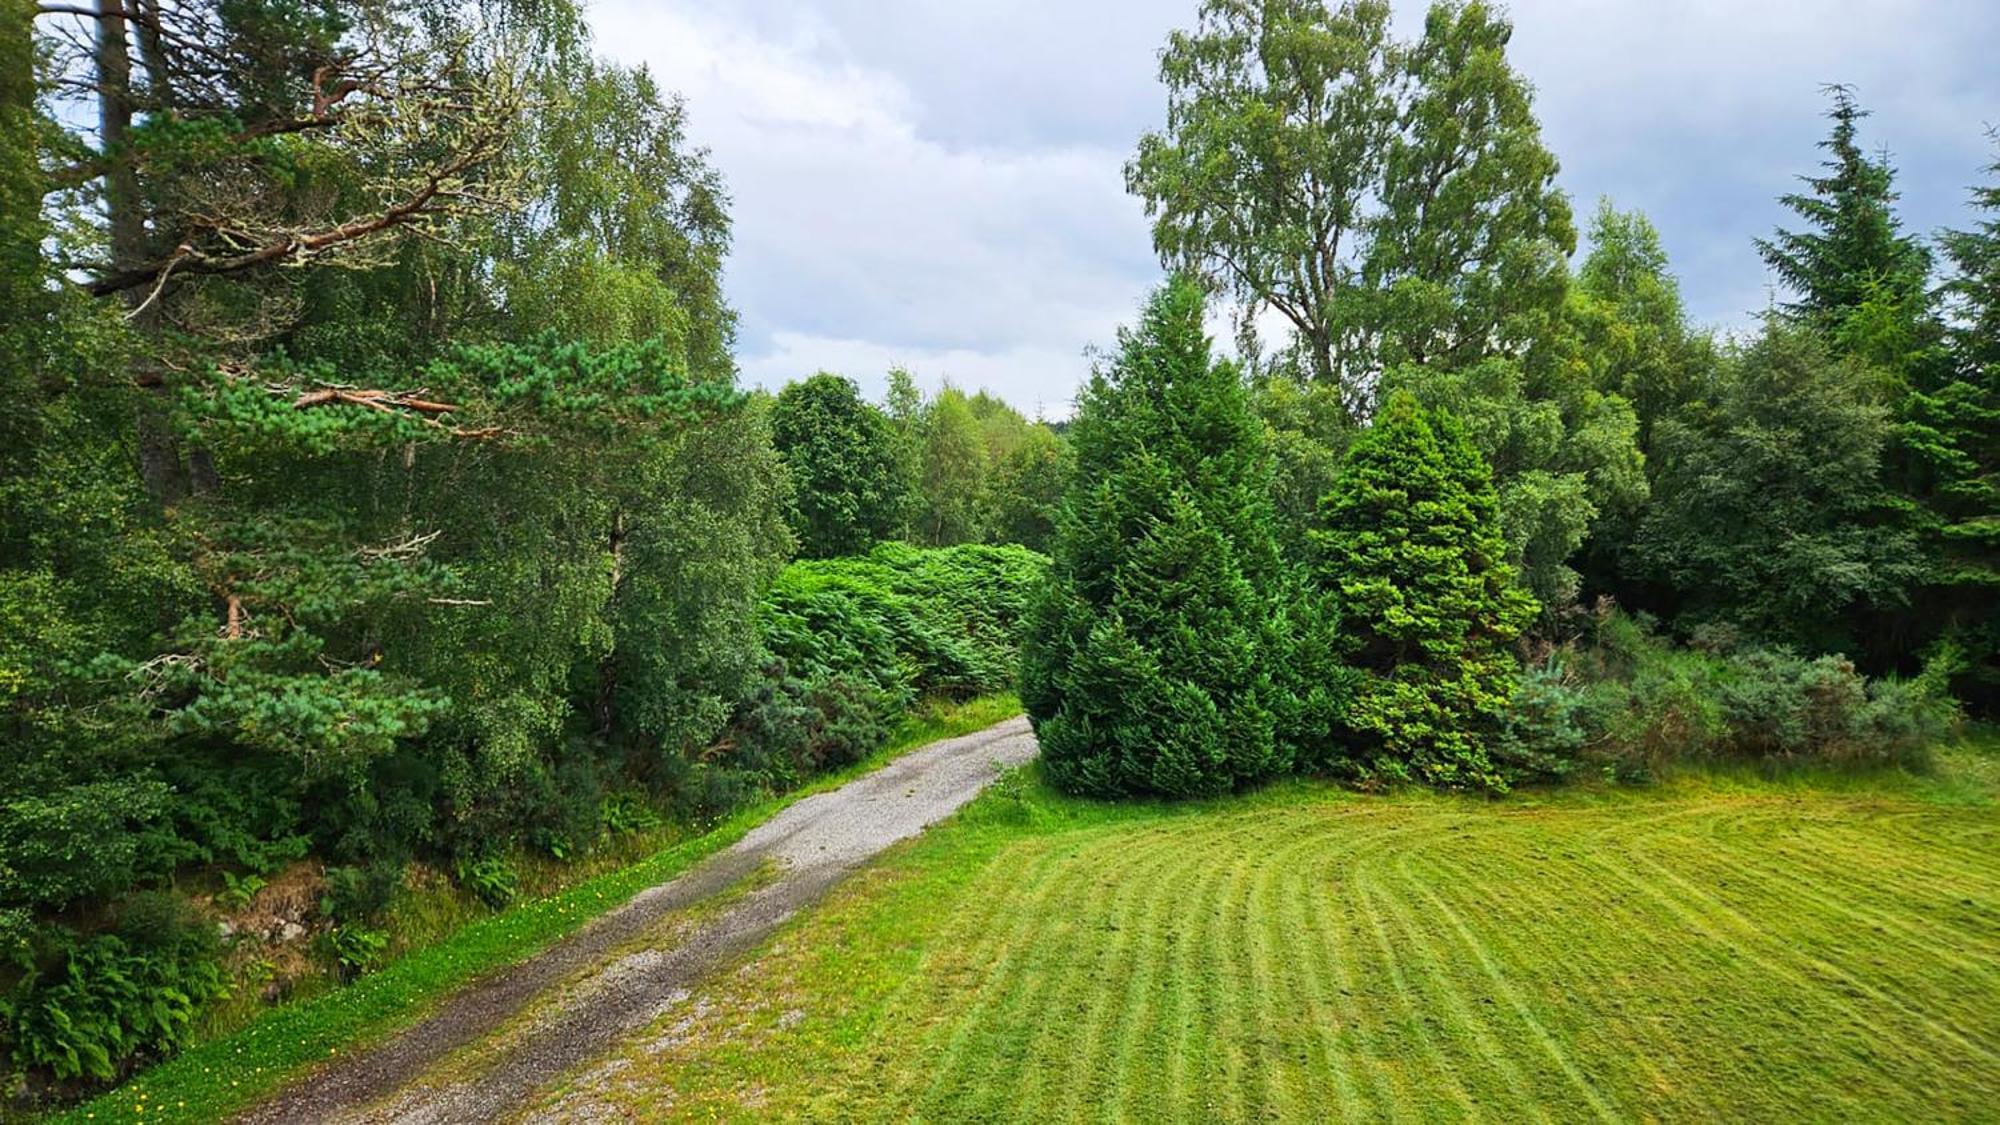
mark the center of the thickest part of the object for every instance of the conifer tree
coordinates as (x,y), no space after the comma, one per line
(1410,550)
(1147,669)
(1853,252)
(1950,435)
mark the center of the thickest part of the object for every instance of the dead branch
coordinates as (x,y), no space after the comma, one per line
(408,549)
(386,401)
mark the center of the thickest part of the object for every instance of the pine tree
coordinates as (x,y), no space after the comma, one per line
(1147,668)
(1410,550)
(1853,252)
(1950,435)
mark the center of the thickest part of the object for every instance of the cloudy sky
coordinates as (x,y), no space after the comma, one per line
(939,185)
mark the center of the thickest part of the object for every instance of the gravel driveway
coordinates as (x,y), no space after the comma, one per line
(567,1005)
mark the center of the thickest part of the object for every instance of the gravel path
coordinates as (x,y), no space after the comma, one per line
(594,988)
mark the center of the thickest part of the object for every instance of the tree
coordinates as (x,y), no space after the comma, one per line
(1028,488)
(1630,325)
(952,467)
(624,223)
(1147,667)
(1852,253)
(1950,435)
(1563,455)
(1626,335)
(849,487)
(1769,510)
(1308,430)
(1409,550)
(1393,202)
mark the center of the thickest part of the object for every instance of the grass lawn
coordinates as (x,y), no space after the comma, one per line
(1714,947)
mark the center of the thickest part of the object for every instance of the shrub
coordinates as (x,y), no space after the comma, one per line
(1545,729)
(1410,553)
(1647,704)
(491,879)
(909,620)
(627,811)
(85,1006)
(360,892)
(355,949)
(1147,669)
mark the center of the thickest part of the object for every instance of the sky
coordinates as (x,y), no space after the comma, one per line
(939,185)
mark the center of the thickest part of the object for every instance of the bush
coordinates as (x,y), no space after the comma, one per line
(362,892)
(491,879)
(1546,727)
(911,621)
(1644,704)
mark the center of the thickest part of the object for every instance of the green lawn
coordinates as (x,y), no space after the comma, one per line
(1717,947)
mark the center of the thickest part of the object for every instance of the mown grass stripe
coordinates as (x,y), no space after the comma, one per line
(1307,954)
(1793,960)
(1501,985)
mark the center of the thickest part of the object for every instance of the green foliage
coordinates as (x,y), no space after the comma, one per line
(1308,430)
(953,471)
(492,879)
(1632,705)
(1853,247)
(1949,434)
(850,487)
(627,811)
(1393,202)
(1147,666)
(1027,488)
(359,892)
(238,890)
(1410,552)
(909,621)
(1769,511)
(87,1005)
(1562,454)
(356,949)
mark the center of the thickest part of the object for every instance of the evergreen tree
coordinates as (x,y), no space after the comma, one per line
(1410,551)
(1148,666)
(849,479)
(1853,251)
(1950,435)
(1769,511)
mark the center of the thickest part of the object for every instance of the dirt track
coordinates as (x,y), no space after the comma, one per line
(562,1008)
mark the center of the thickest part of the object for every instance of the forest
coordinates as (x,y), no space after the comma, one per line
(385,527)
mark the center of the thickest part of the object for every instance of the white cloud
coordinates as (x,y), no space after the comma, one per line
(857,235)
(940,184)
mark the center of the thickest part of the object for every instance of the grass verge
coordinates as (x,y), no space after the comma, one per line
(1724,947)
(212,1080)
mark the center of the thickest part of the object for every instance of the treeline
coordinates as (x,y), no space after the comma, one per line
(1478,516)
(937,470)
(376,497)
